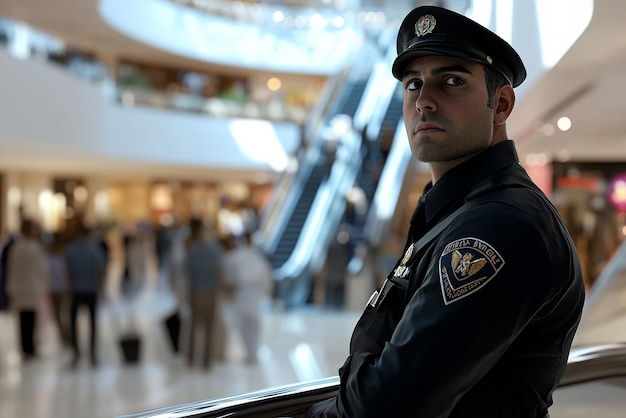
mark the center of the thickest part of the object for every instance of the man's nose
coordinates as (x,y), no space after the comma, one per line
(425,101)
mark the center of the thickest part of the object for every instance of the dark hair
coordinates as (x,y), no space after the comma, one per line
(494,79)
(58,242)
(196,226)
(28,228)
(83,231)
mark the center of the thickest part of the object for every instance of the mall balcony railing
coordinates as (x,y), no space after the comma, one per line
(47,47)
(214,106)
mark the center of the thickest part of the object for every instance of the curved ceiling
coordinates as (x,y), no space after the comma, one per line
(309,48)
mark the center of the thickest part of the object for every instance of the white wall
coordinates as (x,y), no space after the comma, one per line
(51,119)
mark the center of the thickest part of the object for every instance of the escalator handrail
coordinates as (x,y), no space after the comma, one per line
(377,93)
(389,187)
(383,86)
(595,362)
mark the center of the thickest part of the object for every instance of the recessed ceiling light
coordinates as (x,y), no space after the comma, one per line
(564,123)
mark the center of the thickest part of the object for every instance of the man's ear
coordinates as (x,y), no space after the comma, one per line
(504,102)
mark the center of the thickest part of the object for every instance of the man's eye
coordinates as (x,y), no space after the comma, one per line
(413,85)
(454,81)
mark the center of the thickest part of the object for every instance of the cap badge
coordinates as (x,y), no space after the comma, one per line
(425,25)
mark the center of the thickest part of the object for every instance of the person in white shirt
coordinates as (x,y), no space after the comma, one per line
(27,283)
(248,275)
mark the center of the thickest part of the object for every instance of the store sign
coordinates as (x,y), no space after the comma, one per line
(617,192)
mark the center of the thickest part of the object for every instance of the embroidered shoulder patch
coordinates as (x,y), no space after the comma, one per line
(465,266)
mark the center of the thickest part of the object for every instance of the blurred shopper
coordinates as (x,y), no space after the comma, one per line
(203,270)
(139,253)
(361,278)
(27,283)
(86,270)
(100,237)
(4,256)
(59,286)
(127,237)
(163,245)
(248,276)
(338,257)
(177,281)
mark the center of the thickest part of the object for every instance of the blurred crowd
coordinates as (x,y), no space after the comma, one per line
(50,279)
(219,279)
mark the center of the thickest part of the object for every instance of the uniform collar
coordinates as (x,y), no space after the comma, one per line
(454,186)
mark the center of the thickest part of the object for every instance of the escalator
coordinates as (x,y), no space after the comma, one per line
(296,221)
(311,178)
(351,100)
(311,201)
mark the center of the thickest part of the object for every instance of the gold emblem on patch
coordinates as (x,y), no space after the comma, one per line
(425,25)
(464,266)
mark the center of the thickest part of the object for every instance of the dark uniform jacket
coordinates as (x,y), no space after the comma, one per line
(479,321)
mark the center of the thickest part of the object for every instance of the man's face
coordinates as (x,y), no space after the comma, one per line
(445,110)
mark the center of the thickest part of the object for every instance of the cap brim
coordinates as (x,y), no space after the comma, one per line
(404,59)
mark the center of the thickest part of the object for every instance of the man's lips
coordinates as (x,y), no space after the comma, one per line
(426,127)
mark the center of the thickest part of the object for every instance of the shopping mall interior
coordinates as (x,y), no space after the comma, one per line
(282,119)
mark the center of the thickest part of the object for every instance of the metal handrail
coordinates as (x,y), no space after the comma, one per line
(585,364)
(595,362)
(283,401)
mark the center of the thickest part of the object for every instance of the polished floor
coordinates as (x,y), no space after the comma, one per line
(297,345)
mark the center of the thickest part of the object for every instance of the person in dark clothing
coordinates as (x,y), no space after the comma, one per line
(85,263)
(127,239)
(338,257)
(163,246)
(204,271)
(4,256)
(58,286)
(477,317)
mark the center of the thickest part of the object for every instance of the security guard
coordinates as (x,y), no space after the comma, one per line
(478,316)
